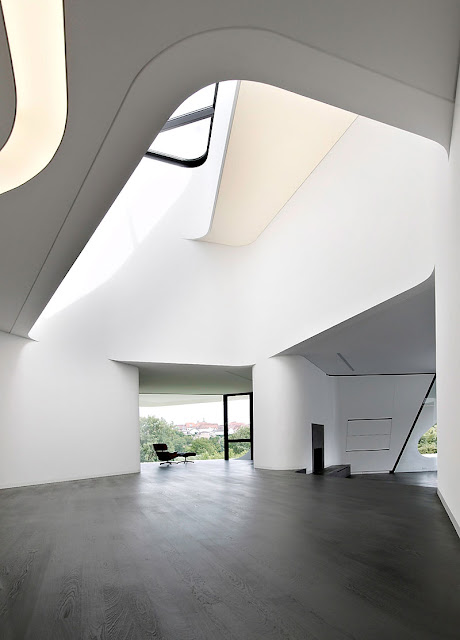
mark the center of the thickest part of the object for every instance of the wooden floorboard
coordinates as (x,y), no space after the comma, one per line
(219,550)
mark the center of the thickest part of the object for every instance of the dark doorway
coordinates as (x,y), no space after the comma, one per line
(317,435)
(238,443)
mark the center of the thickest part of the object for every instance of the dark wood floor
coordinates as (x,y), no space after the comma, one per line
(418,478)
(217,550)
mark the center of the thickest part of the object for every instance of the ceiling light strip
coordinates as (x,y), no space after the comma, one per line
(36,39)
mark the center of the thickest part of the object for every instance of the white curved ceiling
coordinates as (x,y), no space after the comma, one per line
(396,337)
(277,140)
(395,62)
(174,399)
(161,377)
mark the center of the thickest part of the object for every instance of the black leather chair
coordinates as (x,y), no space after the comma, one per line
(163,455)
(166,457)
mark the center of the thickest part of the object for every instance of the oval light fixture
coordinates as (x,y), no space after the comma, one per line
(36,39)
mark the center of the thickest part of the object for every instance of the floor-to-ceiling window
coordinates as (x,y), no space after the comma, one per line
(198,423)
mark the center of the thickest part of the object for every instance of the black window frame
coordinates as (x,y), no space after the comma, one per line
(227,438)
(183,120)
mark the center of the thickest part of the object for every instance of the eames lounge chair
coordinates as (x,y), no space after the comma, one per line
(165,456)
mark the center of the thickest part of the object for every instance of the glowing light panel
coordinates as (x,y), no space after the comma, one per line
(36,39)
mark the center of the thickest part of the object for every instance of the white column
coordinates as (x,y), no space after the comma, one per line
(289,394)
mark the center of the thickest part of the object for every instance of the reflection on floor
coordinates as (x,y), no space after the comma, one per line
(218,550)
(419,478)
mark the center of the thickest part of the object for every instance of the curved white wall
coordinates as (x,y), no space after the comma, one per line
(353,247)
(358,231)
(289,395)
(175,54)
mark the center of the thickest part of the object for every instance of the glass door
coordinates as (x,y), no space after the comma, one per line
(238,440)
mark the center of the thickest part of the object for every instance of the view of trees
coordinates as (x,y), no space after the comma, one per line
(153,429)
(428,443)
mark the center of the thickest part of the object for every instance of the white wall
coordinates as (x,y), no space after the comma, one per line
(447,333)
(290,394)
(341,245)
(374,397)
(67,410)
(345,240)
(65,414)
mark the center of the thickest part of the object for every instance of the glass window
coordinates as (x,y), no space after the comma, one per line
(199,100)
(187,142)
(185,138)
(428,443)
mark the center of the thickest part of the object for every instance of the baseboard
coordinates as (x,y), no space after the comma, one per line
(68,479)
(449,513)
(280,468)
(364,473)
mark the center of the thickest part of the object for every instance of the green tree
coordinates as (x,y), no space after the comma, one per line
(428,443)
(209,448)
(153,429)
(239,449)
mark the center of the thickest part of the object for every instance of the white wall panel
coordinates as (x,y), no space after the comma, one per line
(372,427)
(368,443)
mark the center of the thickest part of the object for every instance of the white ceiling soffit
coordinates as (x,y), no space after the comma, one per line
(174,399)
(393,61)
(277,140)
(35,32)
(185,379)
(395,337)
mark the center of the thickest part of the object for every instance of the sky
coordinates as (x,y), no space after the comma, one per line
(238,411)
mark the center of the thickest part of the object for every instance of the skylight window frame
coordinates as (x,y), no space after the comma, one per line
(181,121)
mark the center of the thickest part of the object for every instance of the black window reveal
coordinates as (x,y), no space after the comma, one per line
(184,139)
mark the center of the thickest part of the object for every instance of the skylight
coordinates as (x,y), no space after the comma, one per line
(199,100)
(184,140)
(153,190)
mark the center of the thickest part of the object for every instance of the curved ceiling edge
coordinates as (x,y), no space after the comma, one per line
(218,55)
(423,284)
(36,41)
(8,93)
